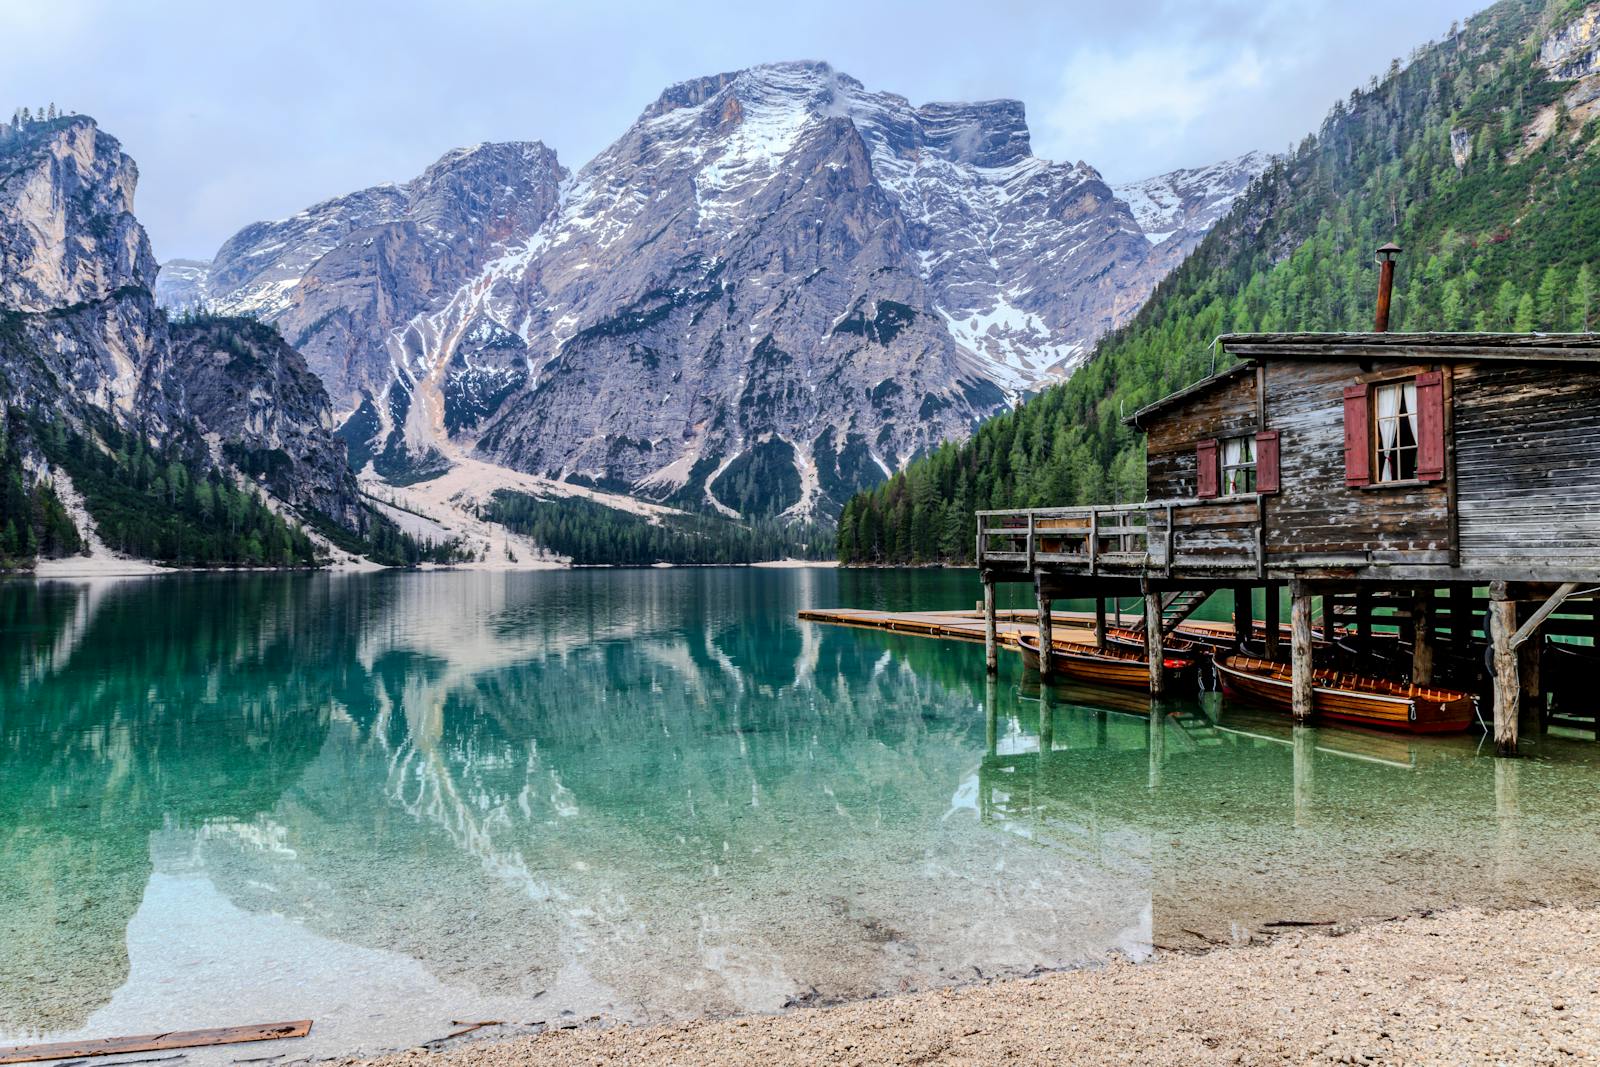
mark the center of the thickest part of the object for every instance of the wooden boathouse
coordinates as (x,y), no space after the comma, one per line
(1396,476)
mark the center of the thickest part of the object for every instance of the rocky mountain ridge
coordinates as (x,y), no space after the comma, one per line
(84,349)
(776,287)
(1184,204)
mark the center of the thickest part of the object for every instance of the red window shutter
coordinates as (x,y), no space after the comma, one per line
(1267,461)
(1430,426)
(1206,476)
(1357,437)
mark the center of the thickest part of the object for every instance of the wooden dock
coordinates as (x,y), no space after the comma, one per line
(1069,627)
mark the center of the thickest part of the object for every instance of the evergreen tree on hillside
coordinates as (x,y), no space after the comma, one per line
(1508,239)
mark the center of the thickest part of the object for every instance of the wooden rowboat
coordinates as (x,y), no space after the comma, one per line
(1102,666)
(1175,647)
(1350,697)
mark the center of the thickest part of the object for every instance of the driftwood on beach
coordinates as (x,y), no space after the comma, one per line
(113,1046)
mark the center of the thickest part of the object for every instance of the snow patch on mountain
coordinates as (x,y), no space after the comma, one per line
(772,288)
(1191,200)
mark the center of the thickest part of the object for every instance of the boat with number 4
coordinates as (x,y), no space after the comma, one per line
(1104,666)
(1350,697)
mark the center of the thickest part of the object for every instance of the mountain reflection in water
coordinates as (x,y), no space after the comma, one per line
(385,801)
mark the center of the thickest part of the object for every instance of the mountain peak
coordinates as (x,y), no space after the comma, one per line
(810,81)
(87,243)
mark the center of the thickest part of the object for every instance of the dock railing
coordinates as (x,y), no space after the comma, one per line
(1224,534)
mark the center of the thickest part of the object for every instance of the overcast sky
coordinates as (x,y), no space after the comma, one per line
(237,112)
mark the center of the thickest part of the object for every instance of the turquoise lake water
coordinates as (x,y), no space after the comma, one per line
(390,801)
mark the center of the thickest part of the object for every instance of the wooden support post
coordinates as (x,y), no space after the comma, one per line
(991,656)
(1301,667)
(1507,689)
(1154,642)
(1046,639)
(1422,637)
(1099,622)
(1461,625)
(1531,703)
(1364,621)
(1274,624)
(1244,614)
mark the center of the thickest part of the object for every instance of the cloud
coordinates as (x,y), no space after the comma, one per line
(240,112)
(1114,106)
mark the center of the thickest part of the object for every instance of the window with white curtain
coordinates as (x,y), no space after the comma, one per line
(1238,466)
(1394,425)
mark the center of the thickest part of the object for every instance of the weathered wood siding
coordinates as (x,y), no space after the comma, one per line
(1227,410)
(1315,513)
(1527,453)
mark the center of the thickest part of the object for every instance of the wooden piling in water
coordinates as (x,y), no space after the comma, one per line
(1502,624)
(991,656)
(1244,616)
(1531,702)
(1422,637)
(1046,638)
(1301,678)
(1099,622)
(1154,642)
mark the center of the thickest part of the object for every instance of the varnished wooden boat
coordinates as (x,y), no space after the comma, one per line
(1221,639)
(1103,666)
(1350,697)
(1175,647)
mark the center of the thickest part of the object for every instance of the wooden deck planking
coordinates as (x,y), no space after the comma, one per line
(1071,627)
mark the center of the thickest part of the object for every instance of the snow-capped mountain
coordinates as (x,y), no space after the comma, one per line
(338,277)
(1186,203)
(183,284)
(776,287)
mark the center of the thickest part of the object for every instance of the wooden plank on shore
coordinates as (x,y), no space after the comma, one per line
(115,1046)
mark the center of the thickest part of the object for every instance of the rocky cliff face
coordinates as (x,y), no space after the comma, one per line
(1571,52)
(67,231)
(245,384)
(75,269)
(81,337)
(776,287)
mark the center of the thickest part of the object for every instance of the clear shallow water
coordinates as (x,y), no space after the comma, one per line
(390,801)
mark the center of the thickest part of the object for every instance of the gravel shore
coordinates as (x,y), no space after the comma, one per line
(1520,986)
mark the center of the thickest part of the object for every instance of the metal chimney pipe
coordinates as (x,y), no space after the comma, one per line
(1386,256)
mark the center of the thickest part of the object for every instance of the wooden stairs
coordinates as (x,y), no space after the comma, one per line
(1175,608)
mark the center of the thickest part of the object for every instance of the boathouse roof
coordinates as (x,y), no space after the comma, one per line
(1583,347)
(1267,347)
(1204,385)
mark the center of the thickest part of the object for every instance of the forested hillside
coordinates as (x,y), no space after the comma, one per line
(1480,157)
(592,534)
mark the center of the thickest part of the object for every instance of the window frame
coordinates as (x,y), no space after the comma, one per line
(1225,470)
(1402,418)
